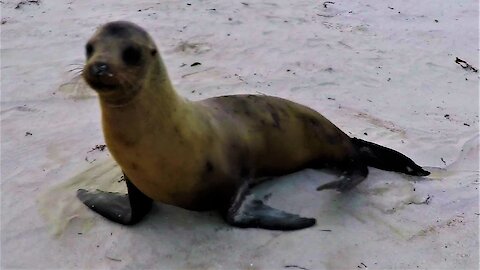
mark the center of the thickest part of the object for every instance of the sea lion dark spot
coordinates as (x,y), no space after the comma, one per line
(244,172)
(283,112)
(176,130)
(89,50)
(209,166)
(275,116)
(276,119)
(124,30)
(312,121)
(233,146)
(333,139)
(131,56)
(242,105)
(117,30)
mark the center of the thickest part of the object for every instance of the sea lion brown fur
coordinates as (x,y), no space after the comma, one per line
(205,155)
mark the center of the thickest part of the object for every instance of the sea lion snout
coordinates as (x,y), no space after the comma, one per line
(99,69)
(100,76)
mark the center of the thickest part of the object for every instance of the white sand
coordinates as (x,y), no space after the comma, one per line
(384,68)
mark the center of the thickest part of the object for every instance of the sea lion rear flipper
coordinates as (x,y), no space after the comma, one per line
(126,209)
(247,212)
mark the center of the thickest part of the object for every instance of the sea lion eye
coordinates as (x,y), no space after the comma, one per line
(131,56)
(89,50)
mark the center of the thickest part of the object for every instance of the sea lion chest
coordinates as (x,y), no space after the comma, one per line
(160,161)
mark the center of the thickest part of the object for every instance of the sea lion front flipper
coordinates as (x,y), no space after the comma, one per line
(247,212)
(126,209)
(350,178)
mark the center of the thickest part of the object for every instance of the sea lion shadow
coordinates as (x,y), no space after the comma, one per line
(295,193)
(180,229)
(167,218)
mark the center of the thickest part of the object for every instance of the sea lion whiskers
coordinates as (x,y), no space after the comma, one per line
(76,67)
(76,73)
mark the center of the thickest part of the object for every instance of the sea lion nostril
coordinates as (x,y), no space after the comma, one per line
(99,69)
(102,67)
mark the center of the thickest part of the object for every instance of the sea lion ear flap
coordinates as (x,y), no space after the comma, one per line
(153,51)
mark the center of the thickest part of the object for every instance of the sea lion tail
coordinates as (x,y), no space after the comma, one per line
(387,159)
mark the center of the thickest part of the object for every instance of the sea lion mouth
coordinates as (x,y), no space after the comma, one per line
(111,88)
(102,86)
(101,82)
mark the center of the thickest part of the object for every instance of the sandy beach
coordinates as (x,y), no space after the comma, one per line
(382,71)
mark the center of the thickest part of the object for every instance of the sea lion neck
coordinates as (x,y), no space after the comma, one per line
(155,106)
(155,85)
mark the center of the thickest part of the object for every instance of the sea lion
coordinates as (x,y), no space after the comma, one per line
(206,155)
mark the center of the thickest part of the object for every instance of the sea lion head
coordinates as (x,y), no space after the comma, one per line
(118,58)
